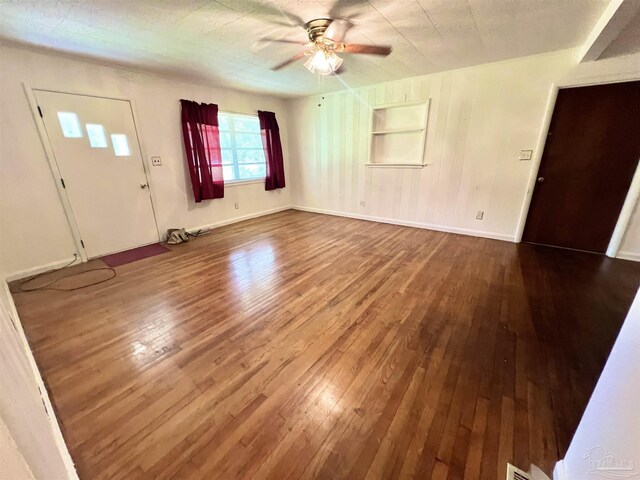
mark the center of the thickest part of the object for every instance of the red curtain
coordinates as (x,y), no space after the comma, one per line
(272,150)
(202,147)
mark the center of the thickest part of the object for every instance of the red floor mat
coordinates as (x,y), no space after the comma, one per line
(128,256)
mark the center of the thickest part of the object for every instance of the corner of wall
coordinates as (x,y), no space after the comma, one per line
(559,472)
(54,461)
(13,462)
(292,149)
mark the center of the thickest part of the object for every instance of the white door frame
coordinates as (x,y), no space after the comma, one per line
(55,169)
(633,194)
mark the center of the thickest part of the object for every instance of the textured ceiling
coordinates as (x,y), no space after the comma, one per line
(218,41)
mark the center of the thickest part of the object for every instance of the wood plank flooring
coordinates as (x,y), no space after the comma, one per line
(300,345)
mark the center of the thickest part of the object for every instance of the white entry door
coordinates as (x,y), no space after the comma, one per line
(96,149)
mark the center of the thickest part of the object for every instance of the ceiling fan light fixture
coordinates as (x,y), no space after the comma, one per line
(326,38)
(323,62)
(335,62)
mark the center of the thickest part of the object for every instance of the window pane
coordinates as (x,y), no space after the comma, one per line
(120,145)
(227,172)
(242,133)
(223,121)
(227,156)
(225,140)
(246,124)
(70,124)
(97,137)
(248,140)
(252,171)
(251,156)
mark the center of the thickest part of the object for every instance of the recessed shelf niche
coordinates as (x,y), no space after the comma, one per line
(398,134)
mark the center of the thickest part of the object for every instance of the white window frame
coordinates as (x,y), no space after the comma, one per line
(234,151)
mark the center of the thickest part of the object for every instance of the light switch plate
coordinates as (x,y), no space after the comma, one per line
(156,161)
(525,154)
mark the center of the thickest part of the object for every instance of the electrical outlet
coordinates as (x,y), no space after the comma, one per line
(156,161)
(479,215)
(362,203)
(525,155)
(236,205)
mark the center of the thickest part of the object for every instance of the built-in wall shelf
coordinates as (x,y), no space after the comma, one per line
(398,134)
(400,130)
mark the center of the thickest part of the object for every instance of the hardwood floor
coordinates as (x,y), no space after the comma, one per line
(308,346)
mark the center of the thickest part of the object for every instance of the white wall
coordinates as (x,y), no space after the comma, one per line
(25,408)
(480,118)
(630,247)
(611,422)
(33,229)
(13,463)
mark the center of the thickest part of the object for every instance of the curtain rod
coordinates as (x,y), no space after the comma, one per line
(235,113)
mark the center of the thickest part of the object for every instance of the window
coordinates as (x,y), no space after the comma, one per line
(70,124)
(97,137)
(120,145)
(241,145)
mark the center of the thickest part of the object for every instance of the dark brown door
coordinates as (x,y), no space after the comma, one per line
(589,159)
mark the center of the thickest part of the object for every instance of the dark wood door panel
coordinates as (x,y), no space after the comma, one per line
(589,160)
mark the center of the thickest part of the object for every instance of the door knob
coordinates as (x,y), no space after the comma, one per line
(540,179)
(143,185)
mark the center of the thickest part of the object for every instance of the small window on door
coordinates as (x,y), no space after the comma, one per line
(70,124)
(120,145)
(97,137)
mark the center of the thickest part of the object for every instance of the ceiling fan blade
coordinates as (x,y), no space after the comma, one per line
(282,40)
(295,58)
(368,49)
(337,29)
(277,15)
(345,8)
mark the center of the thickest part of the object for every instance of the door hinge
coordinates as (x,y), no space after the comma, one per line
(62,182)
(82,243)
(40,111)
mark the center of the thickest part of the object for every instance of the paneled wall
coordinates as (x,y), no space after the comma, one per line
(480,118)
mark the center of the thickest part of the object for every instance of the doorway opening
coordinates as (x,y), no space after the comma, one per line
(96,155)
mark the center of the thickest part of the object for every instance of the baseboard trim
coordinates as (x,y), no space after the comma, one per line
(61,263)
(29,272)
(629,256)
(427,226)
(229,221)
(403,223)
